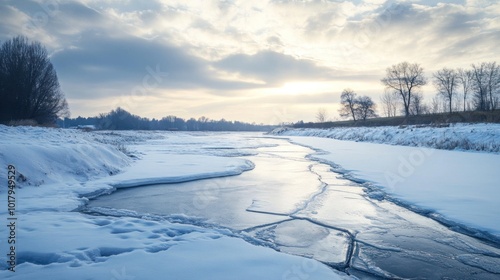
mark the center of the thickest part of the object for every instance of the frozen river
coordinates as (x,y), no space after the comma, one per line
(301,207)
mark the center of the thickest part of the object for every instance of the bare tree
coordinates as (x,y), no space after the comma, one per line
(365,108)
(321,115)
(389,103)
(29,88)
(465,79)
(417,105)
(404,78)
(436,105)
(493,82)
(348,102)
(480,85)
(358,108)
(446,82)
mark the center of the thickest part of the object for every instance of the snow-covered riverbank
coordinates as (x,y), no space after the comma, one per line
(59,167)
(463,137)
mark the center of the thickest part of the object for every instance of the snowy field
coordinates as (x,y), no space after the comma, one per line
(176,205)
(59,167)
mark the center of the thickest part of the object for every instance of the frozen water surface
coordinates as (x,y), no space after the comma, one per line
(277,187)
(301,207)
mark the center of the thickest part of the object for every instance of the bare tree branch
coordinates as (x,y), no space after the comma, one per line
(403,79)
(348,102)
(465,79)
(446,81)
(321,115)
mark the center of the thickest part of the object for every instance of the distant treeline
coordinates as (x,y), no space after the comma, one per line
(119,119)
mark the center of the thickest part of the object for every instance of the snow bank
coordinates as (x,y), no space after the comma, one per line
(46,156)
(459,188)
(473,137)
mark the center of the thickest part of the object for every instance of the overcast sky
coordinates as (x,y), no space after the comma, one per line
(256,61)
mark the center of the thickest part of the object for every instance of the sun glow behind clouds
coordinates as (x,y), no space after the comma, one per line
(334,88)
(304,87)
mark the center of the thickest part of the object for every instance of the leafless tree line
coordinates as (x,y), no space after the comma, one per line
(477,88)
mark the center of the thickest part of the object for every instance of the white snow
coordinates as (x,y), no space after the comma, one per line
(68,156)
(456,186)
(160,168)
(474,137)
(75,246)
(54,242)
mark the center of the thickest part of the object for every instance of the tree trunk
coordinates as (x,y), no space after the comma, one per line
(407,110)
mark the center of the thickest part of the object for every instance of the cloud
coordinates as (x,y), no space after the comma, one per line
(10,18)
(131,62)
(223,52)
(443,34)
(53,23)
(273,68)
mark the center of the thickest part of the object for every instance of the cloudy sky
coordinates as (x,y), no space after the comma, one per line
(266,61)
